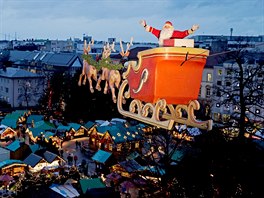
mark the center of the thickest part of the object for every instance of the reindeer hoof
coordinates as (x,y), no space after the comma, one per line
(91,90)
(98,88)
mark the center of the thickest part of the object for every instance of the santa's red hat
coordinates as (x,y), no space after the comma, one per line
(168,23)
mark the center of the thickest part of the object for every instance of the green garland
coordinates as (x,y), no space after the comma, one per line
(106,62)
(89,59)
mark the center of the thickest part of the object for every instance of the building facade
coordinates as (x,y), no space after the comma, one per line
(19,87)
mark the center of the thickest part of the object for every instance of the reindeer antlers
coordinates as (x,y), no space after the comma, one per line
(108,49)
(128,46)
(87,49)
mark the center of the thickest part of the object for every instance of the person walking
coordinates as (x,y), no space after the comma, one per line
(76,144)
(70,159)
(75,159)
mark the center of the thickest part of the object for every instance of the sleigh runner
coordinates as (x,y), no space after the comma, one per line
(164,86)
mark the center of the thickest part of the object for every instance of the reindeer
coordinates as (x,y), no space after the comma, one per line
(88,71)
(112,77)
(125,54)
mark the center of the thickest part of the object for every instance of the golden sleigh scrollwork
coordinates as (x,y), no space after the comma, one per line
(149,107)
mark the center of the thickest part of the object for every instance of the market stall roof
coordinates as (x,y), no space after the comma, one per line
(49,156)
(33,160)
(101,156)
(34,147)
(3,128)
(36,131)
(11,122)
(63,128)
(131,166)
(75,126)
(94,183)
(89,124)
(103,129)
(44,125)
(66,190)
(120,133)
(10,162)
(36,118)
(48,134)
(14,145)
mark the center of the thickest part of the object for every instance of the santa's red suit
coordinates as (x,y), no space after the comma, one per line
(176,33)
(167,32)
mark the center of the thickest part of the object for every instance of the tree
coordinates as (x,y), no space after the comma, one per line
(29,92)
(242,93)
(160,172)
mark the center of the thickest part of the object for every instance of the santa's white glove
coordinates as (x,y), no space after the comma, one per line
(143,23)
(193,29)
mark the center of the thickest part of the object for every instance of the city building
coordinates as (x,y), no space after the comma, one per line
(19,87)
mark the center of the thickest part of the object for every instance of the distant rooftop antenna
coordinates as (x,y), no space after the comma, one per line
(231,33)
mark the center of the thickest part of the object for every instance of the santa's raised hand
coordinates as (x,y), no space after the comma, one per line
(193,29)
(143,23)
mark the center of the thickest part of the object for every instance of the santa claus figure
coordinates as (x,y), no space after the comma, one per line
(168,31)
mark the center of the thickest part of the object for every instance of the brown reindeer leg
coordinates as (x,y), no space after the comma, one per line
(91,85)
(98,87)
(113,92)
(106,87)
(80,80)
(84,80)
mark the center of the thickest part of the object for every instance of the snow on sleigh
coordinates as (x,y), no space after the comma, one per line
(164,84)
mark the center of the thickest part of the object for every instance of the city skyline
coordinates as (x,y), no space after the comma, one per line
(50,19)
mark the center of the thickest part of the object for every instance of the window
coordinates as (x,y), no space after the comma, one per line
(217,116)
(228,83)
(19,90)
(208,91)
(118,148)
(226,117)
(209,77)
(236,109)
(219,83)
(218,93)
(227,106)
(6,90)
(219,72)
(229,72)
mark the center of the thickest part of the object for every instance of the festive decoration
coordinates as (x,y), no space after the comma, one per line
(168,31)
(110,72)
(149,86)
(148,82)
(89,71)
(125,54)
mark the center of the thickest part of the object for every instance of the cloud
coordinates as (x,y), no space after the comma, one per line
(119,18)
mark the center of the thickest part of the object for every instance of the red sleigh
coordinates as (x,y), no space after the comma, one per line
(164,86)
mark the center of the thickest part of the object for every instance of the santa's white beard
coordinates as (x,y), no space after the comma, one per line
(165,33)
